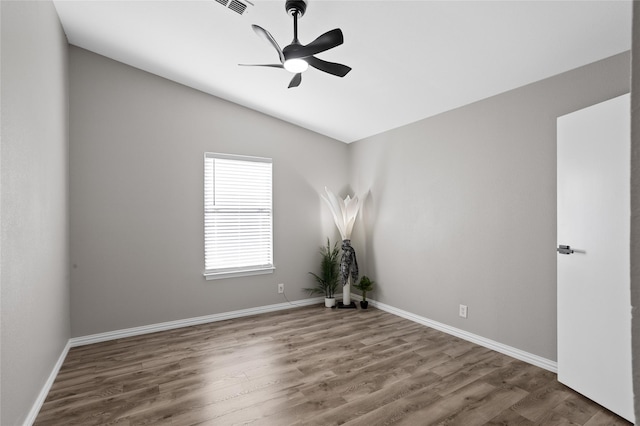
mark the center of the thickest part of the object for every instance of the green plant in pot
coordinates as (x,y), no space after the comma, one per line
(365,285)
(329,277)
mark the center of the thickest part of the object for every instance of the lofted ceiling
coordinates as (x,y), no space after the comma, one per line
(410,59)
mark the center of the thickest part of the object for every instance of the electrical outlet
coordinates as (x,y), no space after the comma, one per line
(280,288)
(463,311)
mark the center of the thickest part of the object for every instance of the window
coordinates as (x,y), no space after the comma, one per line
(238,231)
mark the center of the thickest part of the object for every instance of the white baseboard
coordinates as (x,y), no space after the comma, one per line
(37,405)
(530,358)
(163,326)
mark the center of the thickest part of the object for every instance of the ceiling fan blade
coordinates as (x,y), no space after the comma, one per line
(267,36)
(328,67)
(296,80)
(262,65)
(326,41)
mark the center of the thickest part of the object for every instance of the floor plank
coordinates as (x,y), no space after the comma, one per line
(308,366)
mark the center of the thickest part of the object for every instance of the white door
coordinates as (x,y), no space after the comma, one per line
(594,301)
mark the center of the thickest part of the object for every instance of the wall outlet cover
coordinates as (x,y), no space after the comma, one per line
(463,311)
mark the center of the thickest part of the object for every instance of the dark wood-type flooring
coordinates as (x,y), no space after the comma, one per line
(308,366)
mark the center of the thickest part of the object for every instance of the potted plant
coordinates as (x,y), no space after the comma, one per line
(329,277)
(364,285)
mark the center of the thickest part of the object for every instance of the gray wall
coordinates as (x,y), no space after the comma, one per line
(446,200)
(635,205)
(34,187)
(461,208)
(136,177)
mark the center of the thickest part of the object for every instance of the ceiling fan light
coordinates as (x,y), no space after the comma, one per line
(296,65)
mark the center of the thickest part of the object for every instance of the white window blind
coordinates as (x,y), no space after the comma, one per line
(238,231)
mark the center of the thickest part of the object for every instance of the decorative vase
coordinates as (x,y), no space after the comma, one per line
(364,304)
(346,292)
(329,302)
(344,214)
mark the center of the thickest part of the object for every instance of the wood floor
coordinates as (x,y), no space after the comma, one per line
(308,366)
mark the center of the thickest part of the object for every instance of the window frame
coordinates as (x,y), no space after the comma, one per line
(235,271)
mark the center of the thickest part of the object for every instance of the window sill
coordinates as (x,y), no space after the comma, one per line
(234,274)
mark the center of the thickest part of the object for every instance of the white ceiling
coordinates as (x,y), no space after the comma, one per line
(410,59)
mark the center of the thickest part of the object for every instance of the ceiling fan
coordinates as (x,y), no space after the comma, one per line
(296,57)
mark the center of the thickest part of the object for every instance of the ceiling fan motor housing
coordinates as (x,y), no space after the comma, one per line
(294,7)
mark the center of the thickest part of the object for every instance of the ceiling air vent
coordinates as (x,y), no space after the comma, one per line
(237,6)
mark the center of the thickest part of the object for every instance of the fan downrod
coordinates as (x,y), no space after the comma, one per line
(296,7)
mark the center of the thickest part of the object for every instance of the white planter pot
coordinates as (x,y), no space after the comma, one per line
(329,302)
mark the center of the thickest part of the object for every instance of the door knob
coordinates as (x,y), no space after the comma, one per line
(564,249)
